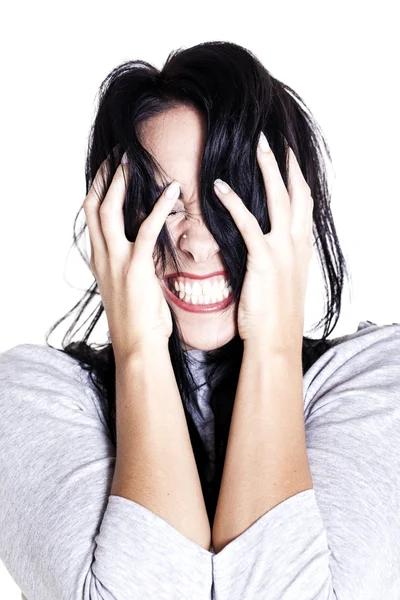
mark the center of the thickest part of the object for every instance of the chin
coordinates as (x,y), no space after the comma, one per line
(205,345)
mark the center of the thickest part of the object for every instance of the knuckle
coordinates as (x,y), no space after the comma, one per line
(297,237)
(268,157)
(105,208)
(95,267)
(279,242)
(247,225)
(87,203)
(301,242)
(120,176)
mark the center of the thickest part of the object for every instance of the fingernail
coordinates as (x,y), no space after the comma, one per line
(263,142)
(173,189)
(222,186)
(124,159)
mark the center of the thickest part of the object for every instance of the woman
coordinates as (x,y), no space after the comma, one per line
(209,449)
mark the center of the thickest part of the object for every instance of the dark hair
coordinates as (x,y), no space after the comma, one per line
(238,98)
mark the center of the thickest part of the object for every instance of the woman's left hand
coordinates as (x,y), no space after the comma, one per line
(271,307)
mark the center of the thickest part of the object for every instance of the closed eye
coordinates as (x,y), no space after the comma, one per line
(178,212)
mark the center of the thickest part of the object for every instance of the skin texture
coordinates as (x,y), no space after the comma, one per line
(176,139)
(155,465)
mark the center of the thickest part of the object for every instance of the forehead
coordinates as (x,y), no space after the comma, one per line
(176,140)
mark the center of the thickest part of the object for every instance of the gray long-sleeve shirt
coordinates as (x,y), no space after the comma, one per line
(64,537)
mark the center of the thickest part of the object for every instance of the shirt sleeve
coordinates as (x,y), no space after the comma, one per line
(341,538)
(62,535)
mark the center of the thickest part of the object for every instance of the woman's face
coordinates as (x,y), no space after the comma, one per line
(176,140)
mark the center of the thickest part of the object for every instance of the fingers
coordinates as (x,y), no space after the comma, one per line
(244,219)
(150,228)
(91,206)
(289,211)
(112,216)
(105,218)
(278,199)
(301,200)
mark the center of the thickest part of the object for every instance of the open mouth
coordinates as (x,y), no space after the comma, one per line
(212,295)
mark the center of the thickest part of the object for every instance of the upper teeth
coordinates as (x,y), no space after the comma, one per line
(204,292)
(204,288)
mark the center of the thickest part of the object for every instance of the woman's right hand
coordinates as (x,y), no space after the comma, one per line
(131,292)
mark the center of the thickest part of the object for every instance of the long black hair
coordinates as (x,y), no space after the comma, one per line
(238,98)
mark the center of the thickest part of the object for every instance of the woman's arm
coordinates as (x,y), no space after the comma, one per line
(155,465)
(57,464)
(340,538)
(266,458)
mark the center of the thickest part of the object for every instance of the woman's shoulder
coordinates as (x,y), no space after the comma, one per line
(367,337)
(366,359)
(40,371)
(368,333)
(36,356)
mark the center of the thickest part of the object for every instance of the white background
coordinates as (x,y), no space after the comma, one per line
(341,57)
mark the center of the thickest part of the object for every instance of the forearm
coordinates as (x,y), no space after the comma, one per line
(155,465)
(266,457)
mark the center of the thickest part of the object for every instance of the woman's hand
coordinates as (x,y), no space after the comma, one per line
(271,307)
(131,292)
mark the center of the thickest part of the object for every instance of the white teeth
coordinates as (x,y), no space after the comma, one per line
(196,289)
(204,293)
(206,287)
(205,298)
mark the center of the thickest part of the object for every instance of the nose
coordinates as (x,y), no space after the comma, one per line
(199,243)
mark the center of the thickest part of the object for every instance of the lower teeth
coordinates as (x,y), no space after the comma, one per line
(212,301)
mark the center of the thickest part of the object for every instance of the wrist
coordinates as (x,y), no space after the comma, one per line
(268,347)
(146,348)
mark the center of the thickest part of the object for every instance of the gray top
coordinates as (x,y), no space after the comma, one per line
(64,537)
